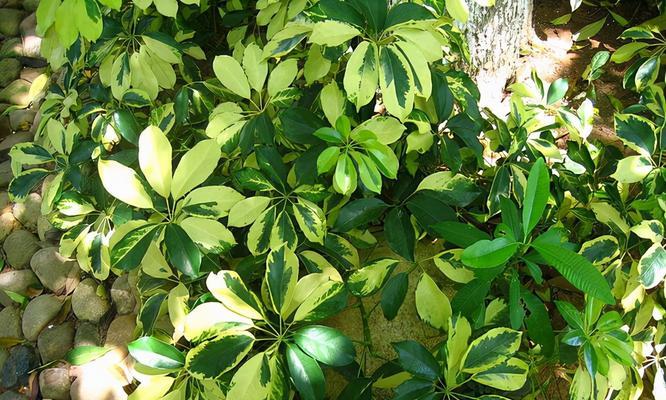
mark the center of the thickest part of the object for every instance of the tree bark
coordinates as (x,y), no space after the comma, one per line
(494,36)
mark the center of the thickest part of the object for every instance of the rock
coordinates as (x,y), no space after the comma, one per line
(55,341)
(4,202)
(22,282)
(87,334)
(7,225)
(30,5)
(54,383)
(21,120)
(5,128)
(30,74)
(11,48)
(6,174)
(46,231)
(28,211)
(10,70)
(121,330)
(15,372)
(10,323)
(10,20)
(38,313)
(11,3)
(20,137)
(16,93)
(13,396)
(19,247)
(123,295)
(54,271)
(32,43)
(3,356)
(86,304)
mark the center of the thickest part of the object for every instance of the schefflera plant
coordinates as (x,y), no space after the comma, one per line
(183,217)
(258,348)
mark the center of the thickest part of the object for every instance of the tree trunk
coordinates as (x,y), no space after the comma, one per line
(495,36)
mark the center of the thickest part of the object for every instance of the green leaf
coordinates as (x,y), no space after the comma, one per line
(212,202)
(255,66)
(577,270)
(396,82)
(328,159)
(489,253)
(369,279)
(432,304)
(361,76)
(230,290)
(647,73)
(627,51)
(306,374)
(150,311)
(230,73)
(652,266)
(332,33)
(325,301)
(137,98)
(400,233)
(458,9)
(154,353)
(510,375)
(167,8)
(459,233)
(282,76)
(281,277)
(128,253)
(600,250)
(209,234)
(491,349)
(358,213)
(181,251)
(81,355)
(213,358)
(536,196)
(311,220)
(163,46)
(195,167)
(394,294)
(557,90)
(155,159)
(123,183)
(326,345)
(344,179)
(589,30)
(23,184)
(416,359)
(88,19)
(637,132)
(252,380)
(247,211)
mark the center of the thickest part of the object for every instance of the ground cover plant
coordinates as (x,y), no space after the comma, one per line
(240,162)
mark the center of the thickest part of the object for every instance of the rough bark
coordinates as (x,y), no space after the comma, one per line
(495,36)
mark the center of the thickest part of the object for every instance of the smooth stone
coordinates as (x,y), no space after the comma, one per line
(13,396)
(3,356)
(10,19)
(16,138)
(30,5)
(10,323)
(10,70)
(21,120)
(56,273)
(46,231)
(28,211)
(5,128)
(55,341)
(86,304)
(19,248)
(30,74)
(15,372)
(121,330)
(8,223)
(55,383)
(32,43)
(16,92)
(11,4)
(38,313)
(87,334)
(123,295)
(11,48)
(4,202)
(6,174)
(23,282)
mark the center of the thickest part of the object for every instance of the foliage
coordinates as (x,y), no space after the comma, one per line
(240,159)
